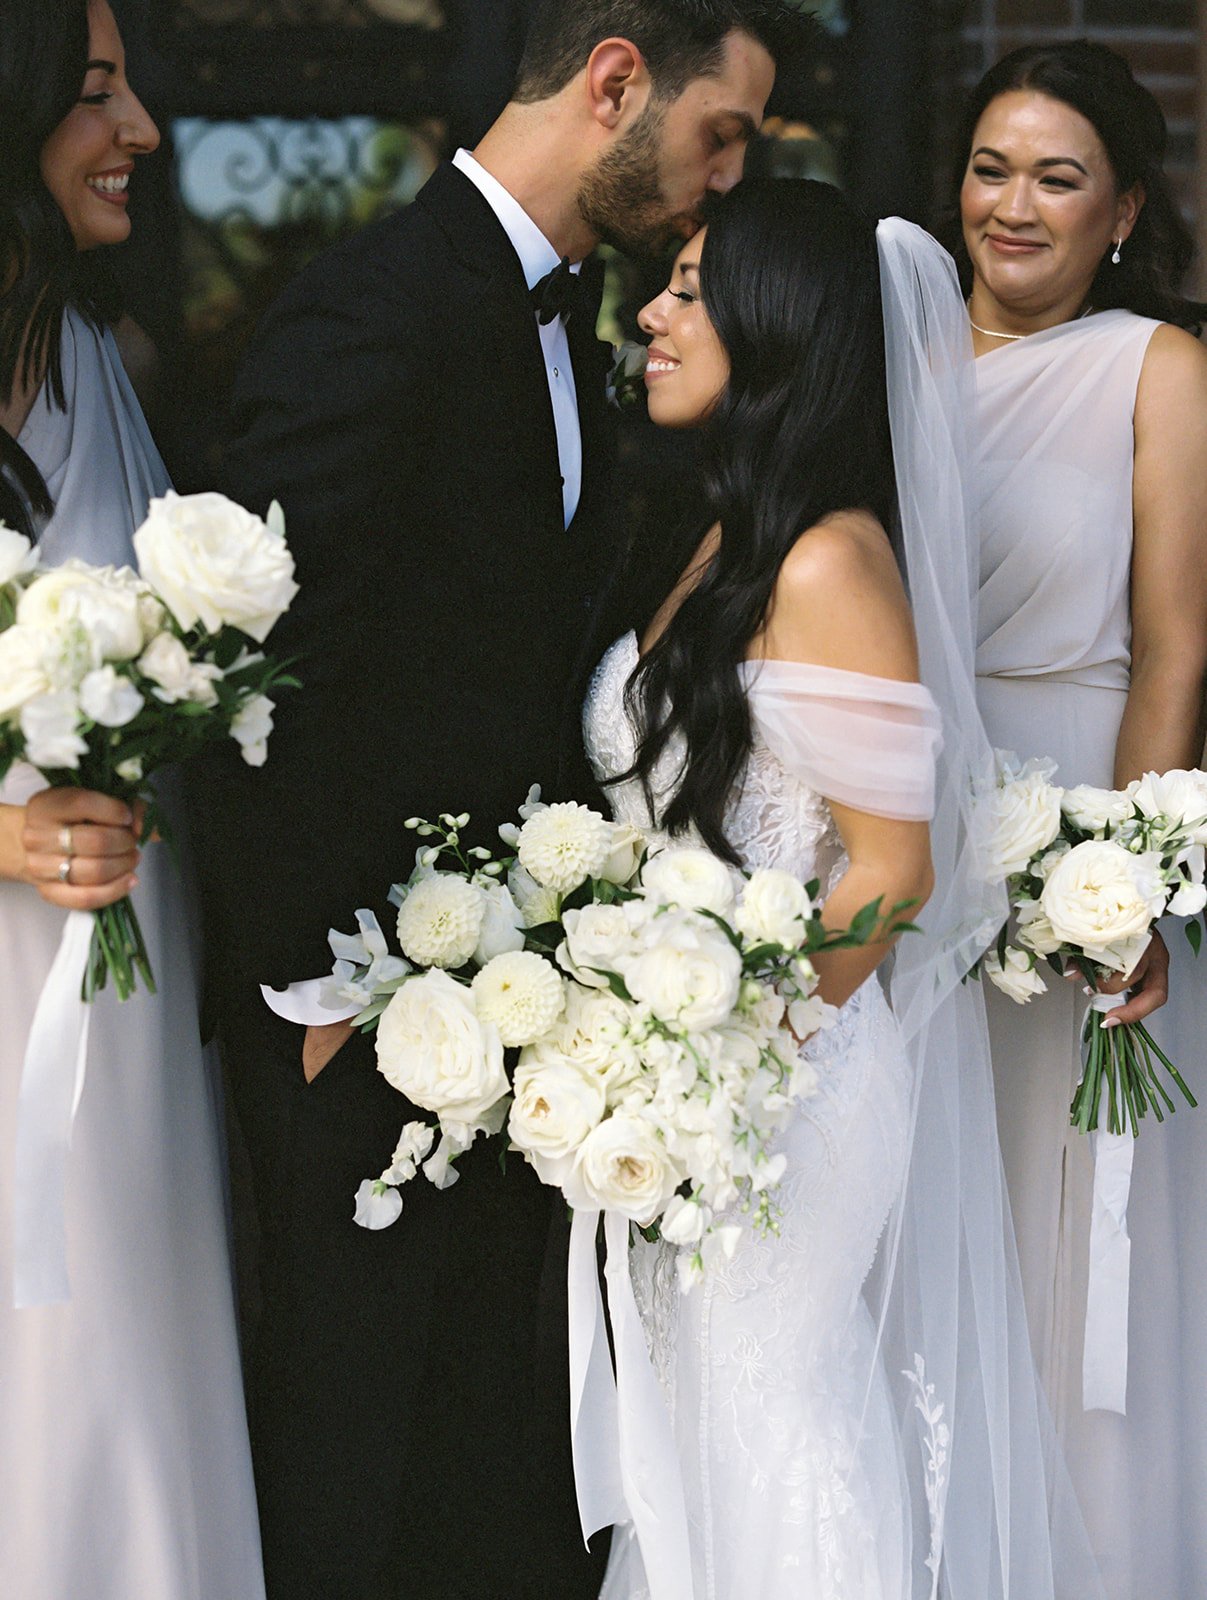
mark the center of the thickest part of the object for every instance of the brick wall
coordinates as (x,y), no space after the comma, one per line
(1160,38)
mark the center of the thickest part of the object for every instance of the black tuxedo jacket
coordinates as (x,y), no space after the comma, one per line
(395,402)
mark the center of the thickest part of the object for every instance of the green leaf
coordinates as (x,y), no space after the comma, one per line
(1194,935)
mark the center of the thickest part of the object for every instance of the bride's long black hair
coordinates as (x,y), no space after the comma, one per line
(789,276)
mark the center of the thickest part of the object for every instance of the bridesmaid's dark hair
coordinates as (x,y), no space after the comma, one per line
(43,57)
(1126,117)
(790,278)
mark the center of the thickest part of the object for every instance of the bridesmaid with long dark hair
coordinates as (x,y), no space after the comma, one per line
(1091,491)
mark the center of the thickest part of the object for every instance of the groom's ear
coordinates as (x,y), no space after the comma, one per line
(617,83)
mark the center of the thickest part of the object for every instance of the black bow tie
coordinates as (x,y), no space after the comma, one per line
(560,293)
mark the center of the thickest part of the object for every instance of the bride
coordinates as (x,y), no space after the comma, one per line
(853,1408)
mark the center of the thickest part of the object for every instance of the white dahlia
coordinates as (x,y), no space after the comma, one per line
(440,922)
(564,845)
(521,994)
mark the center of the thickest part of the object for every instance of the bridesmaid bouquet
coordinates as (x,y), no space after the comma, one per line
(632,1018)
(1088,872)
(108,674)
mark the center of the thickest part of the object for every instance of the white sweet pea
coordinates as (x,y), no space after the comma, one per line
(414,1146)
(563,845)
(555,1108)
(1188,900)
(537,905)
(251,726)
(440,921)
(1180,795)
(502,925)
(1018,977)
(17,555)
(215,564)
(773,909)
(521,994)
(623,1166)
(807,1017)
(49,723)
(691,878)
(109,699)
(432,1048)
(365,949)
(23,673)
(176,675)
(690,974)
(130,770)
(1103,899)
(377,1206)
(684,1220)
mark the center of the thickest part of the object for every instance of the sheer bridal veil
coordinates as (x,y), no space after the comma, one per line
(992,1516)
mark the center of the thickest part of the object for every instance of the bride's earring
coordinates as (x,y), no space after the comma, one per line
(1115,256)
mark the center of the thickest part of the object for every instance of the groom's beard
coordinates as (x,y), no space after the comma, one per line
(621,198)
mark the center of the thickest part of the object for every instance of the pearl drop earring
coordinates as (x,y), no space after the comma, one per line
(1115,256)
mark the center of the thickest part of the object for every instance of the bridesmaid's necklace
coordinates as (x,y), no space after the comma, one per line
(992,333)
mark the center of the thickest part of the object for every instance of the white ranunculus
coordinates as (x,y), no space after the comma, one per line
(689,877)
(598,939)
(216,564)
(1103,899)
(521,994)
(555,1108)
(563,845)
(773,909)
(17,555)
(49,723)
(377,1206)
(432,1048)
(440,921)
(103,602)
(1018,977)
(1023,817)
(1095,810)
(23,673)
(627,844)
(176,675)
(1177,794)
(690,973)
(109,699)
(250,727)
(502,924)
(623,1166)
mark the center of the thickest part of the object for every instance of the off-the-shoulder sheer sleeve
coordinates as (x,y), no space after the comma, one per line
(869,743)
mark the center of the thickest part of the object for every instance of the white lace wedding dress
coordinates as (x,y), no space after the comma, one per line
(791,1467)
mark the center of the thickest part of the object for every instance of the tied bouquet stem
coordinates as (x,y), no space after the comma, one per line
(1088,872)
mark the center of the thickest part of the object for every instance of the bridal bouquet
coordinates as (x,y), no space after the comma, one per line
(108,674)
(1088,873)
(633,1018)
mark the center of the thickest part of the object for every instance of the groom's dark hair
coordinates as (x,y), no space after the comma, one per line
(679,39)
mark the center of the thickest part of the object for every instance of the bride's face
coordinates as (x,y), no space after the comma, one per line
(688,367)
(87,161)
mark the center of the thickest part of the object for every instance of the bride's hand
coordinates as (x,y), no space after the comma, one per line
(78,849)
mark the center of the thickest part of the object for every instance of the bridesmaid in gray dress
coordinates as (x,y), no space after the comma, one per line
(124,1464)
(1091,507)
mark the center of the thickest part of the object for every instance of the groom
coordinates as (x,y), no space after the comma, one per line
(427,403)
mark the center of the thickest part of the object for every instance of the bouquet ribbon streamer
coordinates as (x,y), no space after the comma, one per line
(52,1080)
(626,1469)
(1104,1360)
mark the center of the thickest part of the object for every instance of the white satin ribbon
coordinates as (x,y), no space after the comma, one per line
(1104,1360)
(52,1080)
(626,1468)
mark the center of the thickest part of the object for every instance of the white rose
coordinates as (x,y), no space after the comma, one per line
(692,878)
(623,1166)
(102,602)
(502,926)
(627,844)
(555,1108)
(599,939)
(432,1048)
(1177,794)
(1017,978)
(49,723)
(440,921)
(563,845)
(521,994)
(17,555)
(1104,900)
(773,909)
(250,727)
(1095,810)
(216,564)
(1023,817)
(22,671)
(177,677)
(109,699)
(690,974)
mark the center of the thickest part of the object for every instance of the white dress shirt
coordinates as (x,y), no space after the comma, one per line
(300,1002)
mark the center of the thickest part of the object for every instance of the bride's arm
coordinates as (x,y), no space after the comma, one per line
(839,602)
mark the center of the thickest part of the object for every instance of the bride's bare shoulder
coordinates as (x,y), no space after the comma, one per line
(839,601)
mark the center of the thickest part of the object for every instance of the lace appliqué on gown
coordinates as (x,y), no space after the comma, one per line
(765,1365)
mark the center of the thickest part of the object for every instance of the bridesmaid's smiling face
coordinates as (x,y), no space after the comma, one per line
(1040,203)
(687,367)
(87,161)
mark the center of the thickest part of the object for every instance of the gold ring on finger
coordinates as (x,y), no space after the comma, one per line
(66,843)
(65,870)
